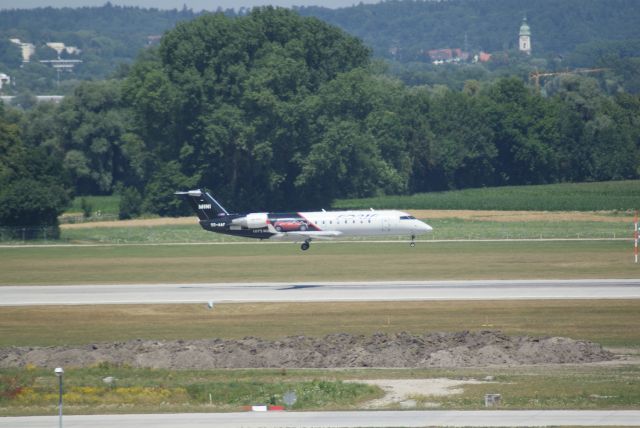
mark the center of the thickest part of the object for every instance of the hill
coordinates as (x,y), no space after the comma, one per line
(558,27)
(106,36)
(570,33)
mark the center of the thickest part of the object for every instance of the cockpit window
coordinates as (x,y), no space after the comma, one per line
(407,217)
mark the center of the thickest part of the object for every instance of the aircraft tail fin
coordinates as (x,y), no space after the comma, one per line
(204,205)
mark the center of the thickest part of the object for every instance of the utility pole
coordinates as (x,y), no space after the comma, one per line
(60,372)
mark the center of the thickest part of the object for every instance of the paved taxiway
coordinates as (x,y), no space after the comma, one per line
(502,418)
(318,291)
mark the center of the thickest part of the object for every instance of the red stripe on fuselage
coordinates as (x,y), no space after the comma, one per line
(312,224)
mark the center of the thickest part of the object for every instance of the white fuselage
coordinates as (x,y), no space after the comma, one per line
(361,223)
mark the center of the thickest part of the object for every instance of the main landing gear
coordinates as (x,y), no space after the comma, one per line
(305,245)
(413,241)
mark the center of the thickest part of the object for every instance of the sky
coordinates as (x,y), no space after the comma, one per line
(196,5)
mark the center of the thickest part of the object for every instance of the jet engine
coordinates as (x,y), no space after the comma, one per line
(252,221)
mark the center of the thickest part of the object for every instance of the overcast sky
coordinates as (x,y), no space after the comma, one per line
(196,5)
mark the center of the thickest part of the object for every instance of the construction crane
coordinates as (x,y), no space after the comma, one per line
(536,75)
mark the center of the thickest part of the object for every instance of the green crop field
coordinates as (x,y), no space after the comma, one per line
(603,196)
(262,261)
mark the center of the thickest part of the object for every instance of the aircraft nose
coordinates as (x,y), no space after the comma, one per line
(424,227)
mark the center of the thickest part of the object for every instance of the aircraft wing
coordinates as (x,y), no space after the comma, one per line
(313,234)
(300,235)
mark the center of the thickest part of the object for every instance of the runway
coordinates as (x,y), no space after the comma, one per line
(318,292)
(532,418)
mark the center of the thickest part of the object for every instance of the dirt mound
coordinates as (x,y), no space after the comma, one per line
(465,349)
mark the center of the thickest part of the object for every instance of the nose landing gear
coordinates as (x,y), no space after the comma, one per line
(413,241)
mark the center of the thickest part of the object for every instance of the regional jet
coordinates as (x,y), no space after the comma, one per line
(302,226)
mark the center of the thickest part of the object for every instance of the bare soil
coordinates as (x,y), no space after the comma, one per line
(464,349)
(401,390)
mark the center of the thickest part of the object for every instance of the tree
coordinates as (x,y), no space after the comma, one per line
(515,114)
(159,194)
(33,188)
(463,153)
(225,101)
(28,202)
(92,124)
(130,203)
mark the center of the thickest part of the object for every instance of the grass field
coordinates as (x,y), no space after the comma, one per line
(606,322)
(104,204)
(609,196)
(444,228)
(146,390)
(33,390)
(610,322)
(323,262)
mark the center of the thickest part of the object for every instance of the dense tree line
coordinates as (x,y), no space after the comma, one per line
(275,111)
(34,189)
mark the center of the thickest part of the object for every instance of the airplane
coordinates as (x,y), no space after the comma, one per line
(301,226)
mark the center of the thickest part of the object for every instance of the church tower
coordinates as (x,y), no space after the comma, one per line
(525,37)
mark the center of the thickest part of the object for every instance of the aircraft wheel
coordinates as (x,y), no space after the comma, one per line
(304,246)
(413,244)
